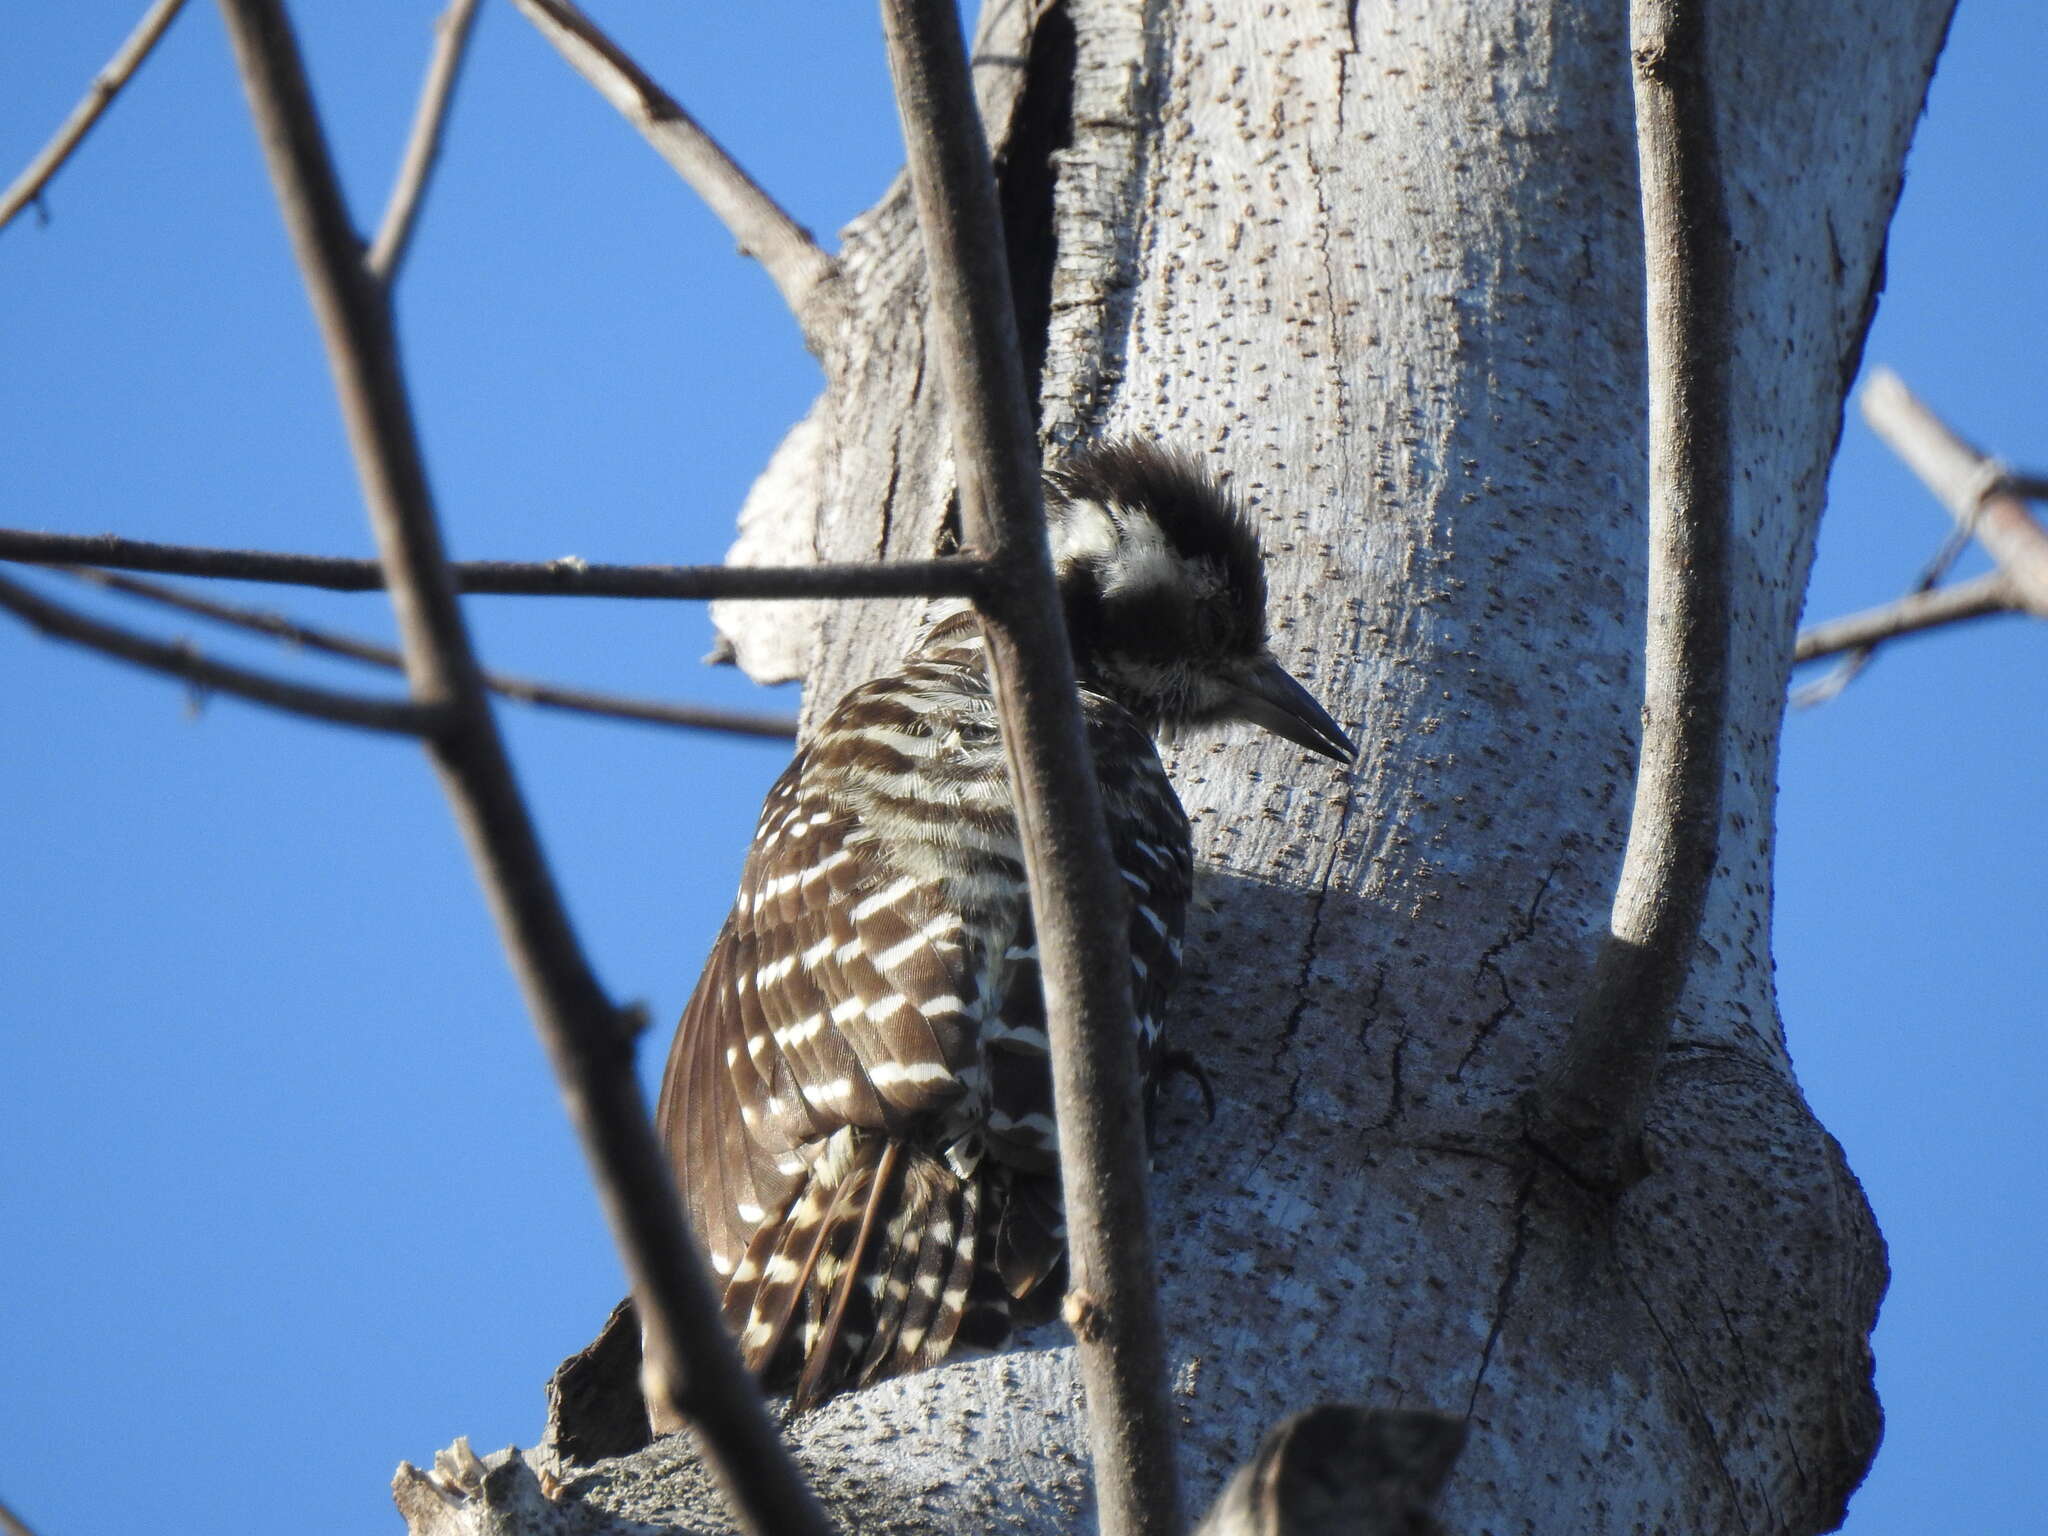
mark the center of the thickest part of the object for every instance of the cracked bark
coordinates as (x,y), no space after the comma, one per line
(1489,965)
(1387,280)
(1504,1299)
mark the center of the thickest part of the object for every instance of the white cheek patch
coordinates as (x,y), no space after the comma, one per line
(1143,559)
(1127,546)
(1083,531)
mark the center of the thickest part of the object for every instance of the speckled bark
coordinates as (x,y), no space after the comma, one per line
(1380,264)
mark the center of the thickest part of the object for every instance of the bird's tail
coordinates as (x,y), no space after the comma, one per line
(865,1272)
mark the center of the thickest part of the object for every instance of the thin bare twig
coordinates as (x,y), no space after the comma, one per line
(106,85)
(1077,900)
(958,576)
(12,1524)
(691,1363)
(1978,598)
(403,716)
(1857,657)
(1987,502)
(801,270)
(423,145)
(1976,488)
(1590,1111)
(585,701)
(1851,666)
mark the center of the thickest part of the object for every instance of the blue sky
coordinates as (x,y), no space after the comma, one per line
(287,1190)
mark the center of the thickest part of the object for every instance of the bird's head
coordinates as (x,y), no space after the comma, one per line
(1166,598)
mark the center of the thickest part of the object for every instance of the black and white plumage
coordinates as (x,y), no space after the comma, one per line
(858,1104)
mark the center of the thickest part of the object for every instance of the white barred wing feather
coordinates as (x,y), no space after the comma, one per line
(858,1102)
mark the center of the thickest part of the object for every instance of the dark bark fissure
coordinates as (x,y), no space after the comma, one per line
(1369,1009)
(1511,1273)
(1303,995)
(1676,1356)
(1026,178)
(1290,1027)
(1489,965)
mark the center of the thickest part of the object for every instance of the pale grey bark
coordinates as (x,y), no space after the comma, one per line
(1381,266)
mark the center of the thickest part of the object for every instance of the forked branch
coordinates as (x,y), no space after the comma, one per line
(1975,488)
(403,716)
(1590,1111)
(690,1362)
(1988,503)
(585,701)
(1077,898)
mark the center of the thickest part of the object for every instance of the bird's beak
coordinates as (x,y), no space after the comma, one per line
(1268,697)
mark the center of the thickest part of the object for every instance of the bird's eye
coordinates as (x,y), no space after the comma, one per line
(1212,627)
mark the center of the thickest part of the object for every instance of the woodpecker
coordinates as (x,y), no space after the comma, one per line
(858,1104)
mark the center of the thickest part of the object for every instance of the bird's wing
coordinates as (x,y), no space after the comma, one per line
(840,993)
(1150,842)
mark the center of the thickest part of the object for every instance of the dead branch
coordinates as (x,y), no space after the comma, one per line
(1912,614)
(423,144)
(691,1363)
(106,85)
(1590,1112)
(547,695)
(1851,666)
(957,576)
(1342,1470)
(12,1524)
(1077,899)
(1988,503)
(800,269)
(406,717)
(1978,492)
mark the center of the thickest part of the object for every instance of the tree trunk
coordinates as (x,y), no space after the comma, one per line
(1382,267)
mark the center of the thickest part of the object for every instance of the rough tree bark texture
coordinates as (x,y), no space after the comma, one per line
(1380,264)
